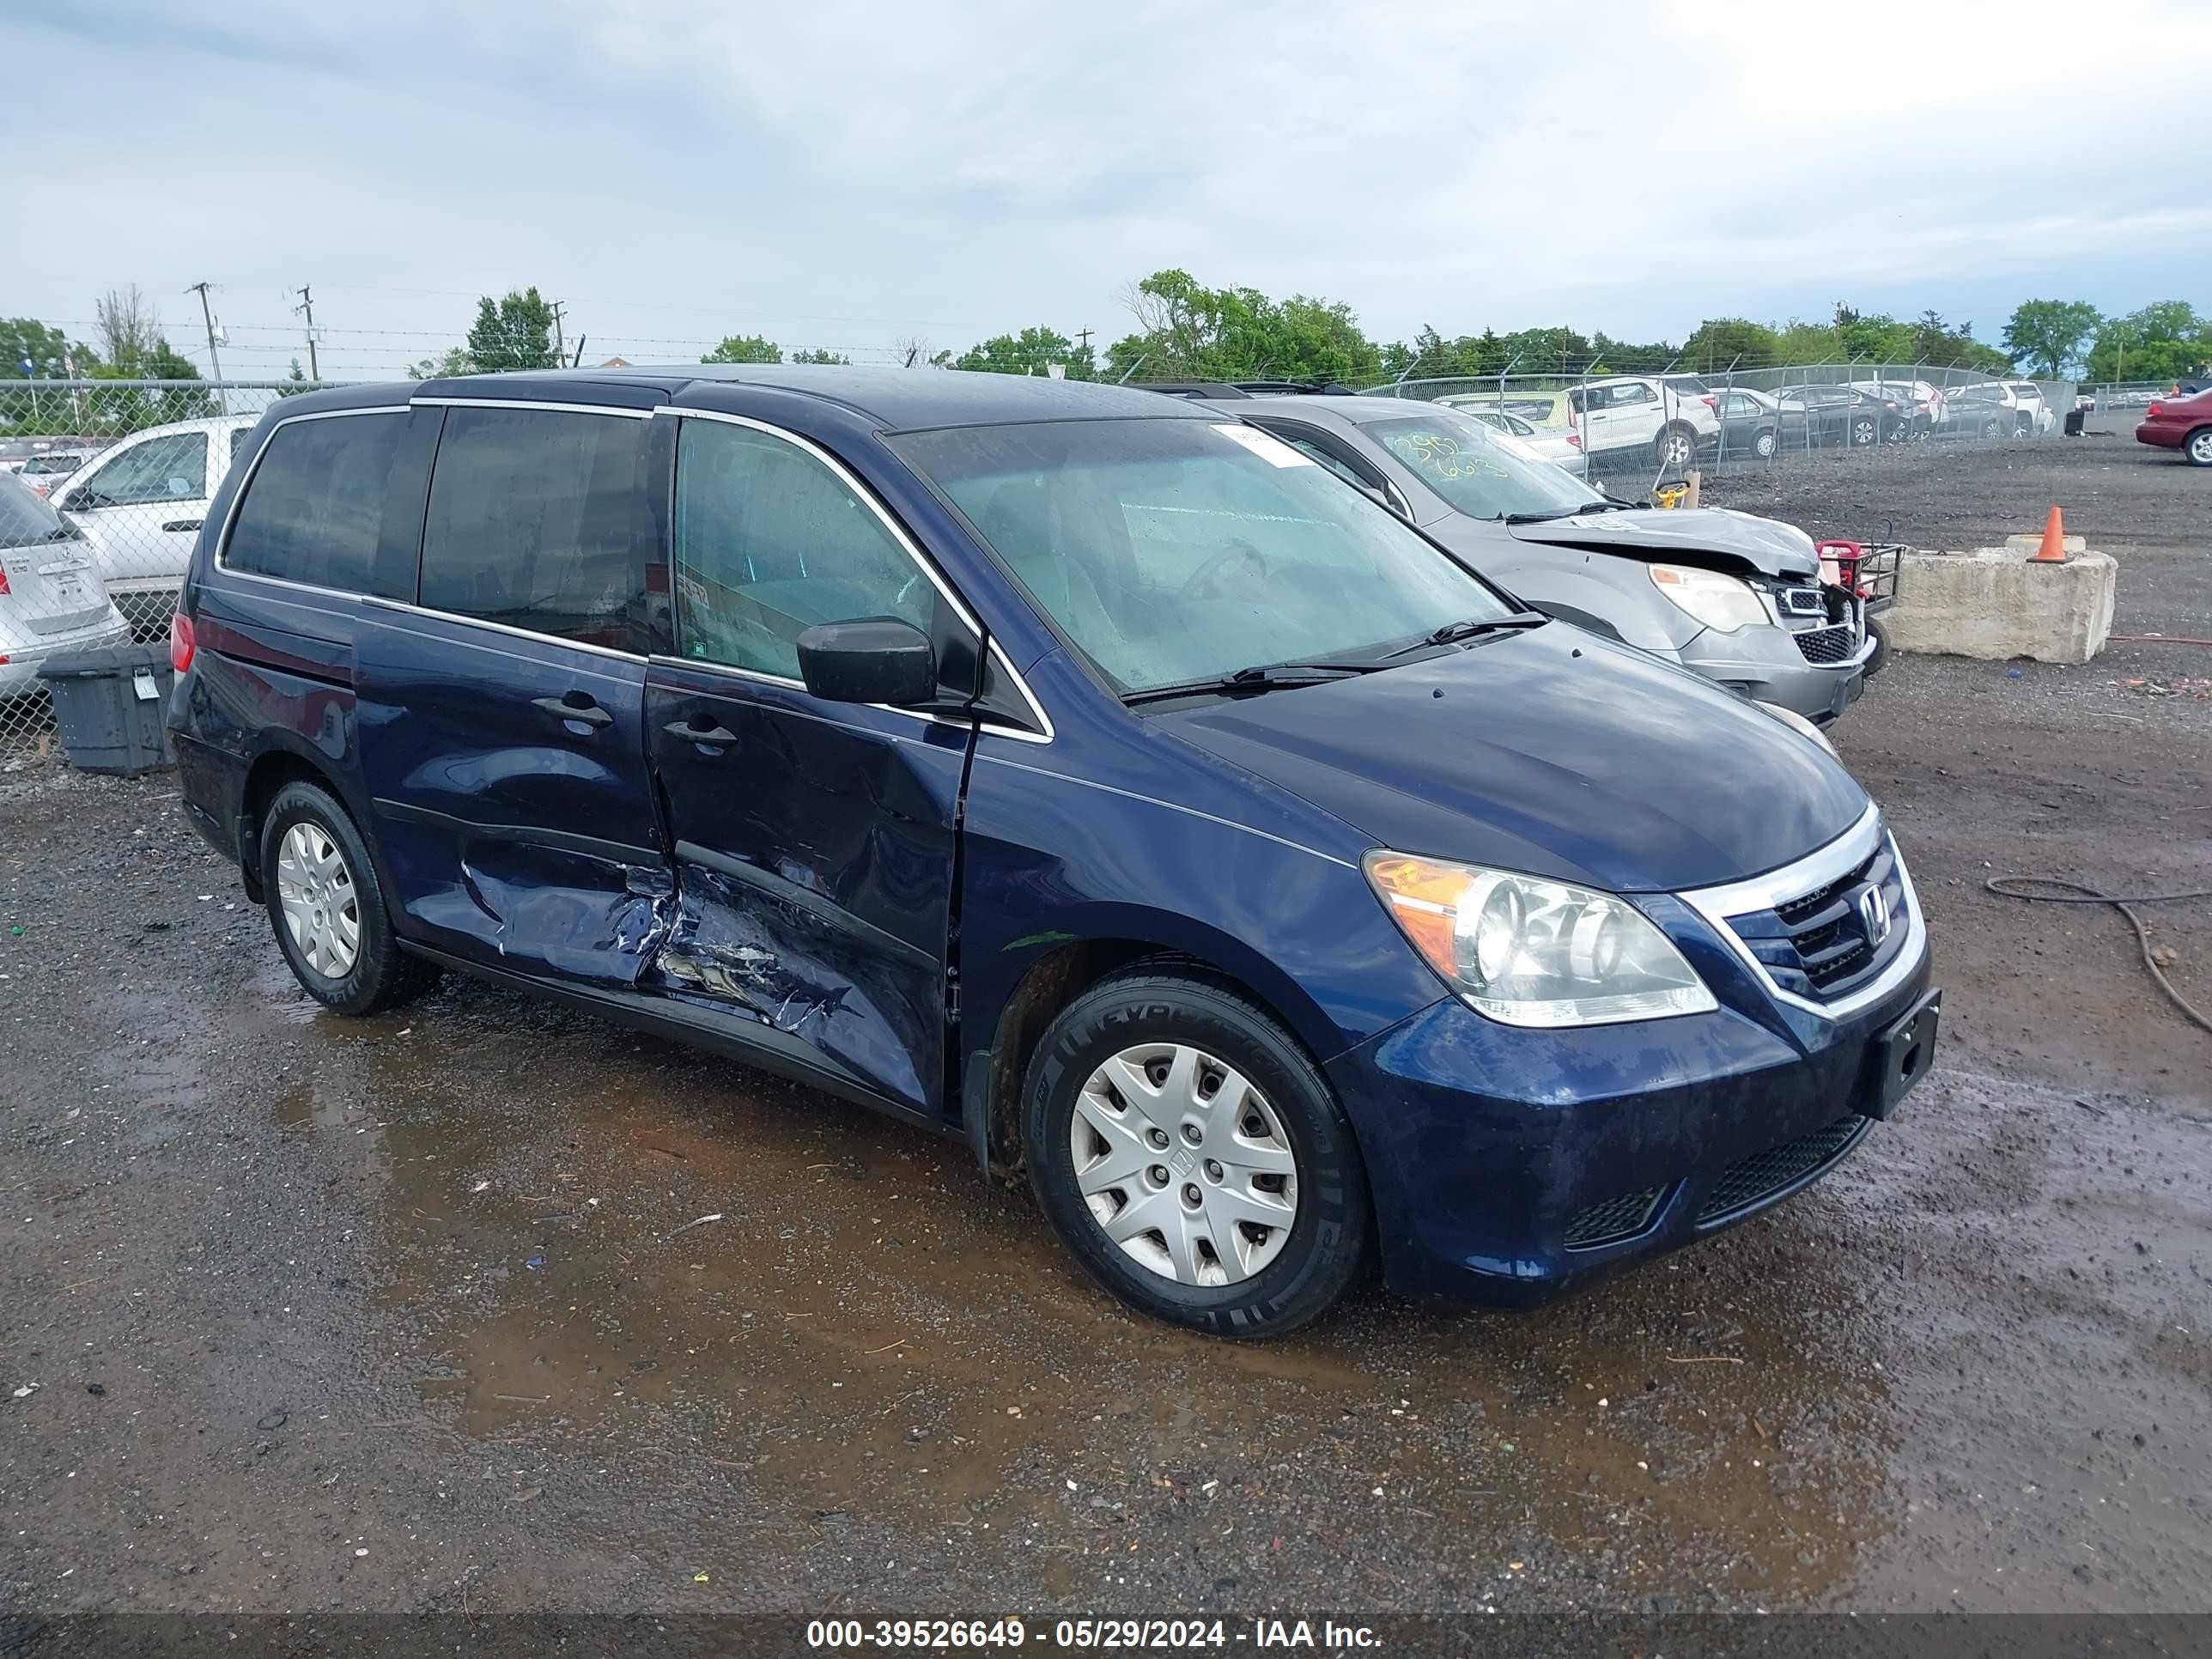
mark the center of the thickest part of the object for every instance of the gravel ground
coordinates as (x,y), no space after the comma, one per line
(393,1314)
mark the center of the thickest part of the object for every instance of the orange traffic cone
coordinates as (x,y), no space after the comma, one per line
(2053,550)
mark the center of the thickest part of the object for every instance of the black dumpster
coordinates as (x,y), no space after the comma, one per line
(109,706)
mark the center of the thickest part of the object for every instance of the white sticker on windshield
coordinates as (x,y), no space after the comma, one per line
(1264,446)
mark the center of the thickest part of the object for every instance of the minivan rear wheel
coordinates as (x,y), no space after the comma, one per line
(1193,1158)
(327,906)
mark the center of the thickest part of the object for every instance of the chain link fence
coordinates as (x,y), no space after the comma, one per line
(109,482)
(1665,424)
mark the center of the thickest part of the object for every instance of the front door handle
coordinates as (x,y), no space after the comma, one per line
(180,526)
(690,733)
(574,705)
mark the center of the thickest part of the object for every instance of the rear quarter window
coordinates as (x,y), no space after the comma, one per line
(314,509)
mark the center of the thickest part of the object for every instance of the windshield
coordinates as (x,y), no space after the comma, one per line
(24,516)
(1172,550)
(1482,473)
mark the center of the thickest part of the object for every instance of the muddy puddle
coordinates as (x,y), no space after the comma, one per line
(1971,1370)
(867,1335)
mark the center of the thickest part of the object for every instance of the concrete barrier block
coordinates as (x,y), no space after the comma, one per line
(1996,602)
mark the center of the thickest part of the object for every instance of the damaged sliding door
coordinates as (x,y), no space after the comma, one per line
(813,841)
(501,714)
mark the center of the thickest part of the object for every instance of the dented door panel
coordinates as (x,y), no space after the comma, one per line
(510,836)
(813,861)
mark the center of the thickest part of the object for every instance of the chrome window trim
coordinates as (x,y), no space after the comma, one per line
(1816,869)
(845,476)
(245,482)
(410,608)
(615,411)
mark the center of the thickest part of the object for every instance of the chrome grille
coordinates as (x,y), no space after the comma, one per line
(1828,942)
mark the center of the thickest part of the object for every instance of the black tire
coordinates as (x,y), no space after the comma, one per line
(1863,431)
(1766,443)
(1675,446)
(2196,447)
(1993,427)
(1331,1237)
(1879,635)
(381,974)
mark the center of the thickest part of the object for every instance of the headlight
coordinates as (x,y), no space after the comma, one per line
(1527,951)
(1720,601)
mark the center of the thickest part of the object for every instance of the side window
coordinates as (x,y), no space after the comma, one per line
(167,469)
(240,441)
(315,507)
(1632,392)
(768,542)
(542,518)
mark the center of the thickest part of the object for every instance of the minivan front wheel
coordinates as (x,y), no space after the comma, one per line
(1194,1158)
(327,907)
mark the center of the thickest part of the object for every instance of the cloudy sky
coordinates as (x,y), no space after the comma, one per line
(852,174)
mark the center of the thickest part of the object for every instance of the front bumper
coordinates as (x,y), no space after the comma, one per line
(1509,1165)
(1765,664)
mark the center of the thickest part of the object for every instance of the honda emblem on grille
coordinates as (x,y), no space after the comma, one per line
(1873,914)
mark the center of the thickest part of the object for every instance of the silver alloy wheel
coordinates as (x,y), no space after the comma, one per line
(1675,449)
(322,910)
(1863,431)
(1764,446)
(2200,448)
(1184,1164)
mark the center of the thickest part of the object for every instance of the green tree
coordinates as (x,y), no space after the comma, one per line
(454,362)
(820,354)
(1187,330)
(515,332)
(1033,351)
(295,383)
(1720,343)
(745,349)
(2048,335)
(48,350)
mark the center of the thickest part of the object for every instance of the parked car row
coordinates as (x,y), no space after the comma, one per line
(1094,776)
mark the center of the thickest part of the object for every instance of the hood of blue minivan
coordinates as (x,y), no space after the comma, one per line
(1548,751)
(1697,535)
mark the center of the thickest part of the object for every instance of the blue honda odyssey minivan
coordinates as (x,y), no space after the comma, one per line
(1064,767)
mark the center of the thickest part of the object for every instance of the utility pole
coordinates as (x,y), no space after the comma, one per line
(307,304)
(214,363)
(560,354)
(1083,335)
(207,316)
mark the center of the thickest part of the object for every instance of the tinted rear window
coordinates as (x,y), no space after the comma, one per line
(543,520)
(314,507)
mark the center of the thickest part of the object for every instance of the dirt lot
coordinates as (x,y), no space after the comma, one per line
(394,1314)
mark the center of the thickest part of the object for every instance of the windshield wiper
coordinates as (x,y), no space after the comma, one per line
(1264,677)
(1567,512)
(1469,629)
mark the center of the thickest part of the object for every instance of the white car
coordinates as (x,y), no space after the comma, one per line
(48,469)
(1562,449)
(52,599)
(2030,412)
(1673,416)
(140,503)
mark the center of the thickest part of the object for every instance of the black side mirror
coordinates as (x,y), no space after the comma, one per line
(880,660)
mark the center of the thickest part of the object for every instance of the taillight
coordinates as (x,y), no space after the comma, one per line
(2156,409)
(1575,439)
(181,642)
(1713,403)
(4,578)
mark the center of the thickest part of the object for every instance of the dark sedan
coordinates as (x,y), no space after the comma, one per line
(1812,415)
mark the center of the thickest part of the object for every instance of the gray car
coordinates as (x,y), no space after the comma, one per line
(1737,599)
